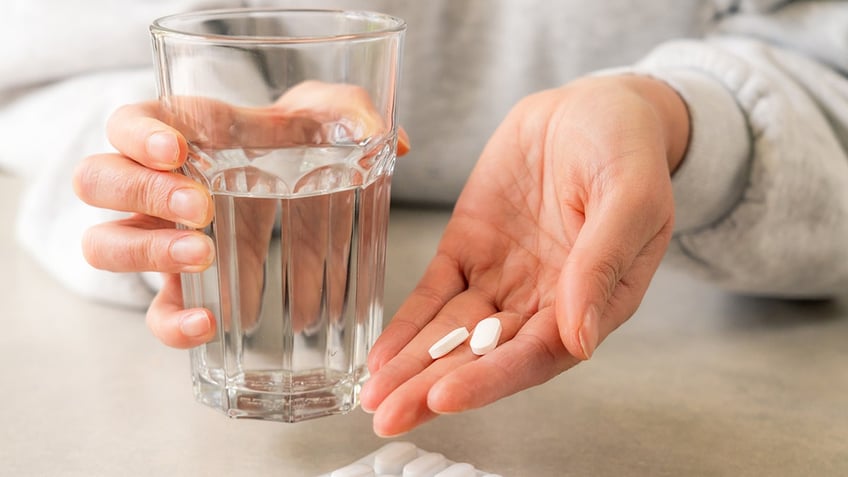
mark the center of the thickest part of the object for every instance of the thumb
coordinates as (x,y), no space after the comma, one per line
(608,271)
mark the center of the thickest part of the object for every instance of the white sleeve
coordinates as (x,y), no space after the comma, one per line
(54,127)
(762,194)
(48,40)
(69,69)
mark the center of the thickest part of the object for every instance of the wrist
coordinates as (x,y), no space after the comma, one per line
(671,110)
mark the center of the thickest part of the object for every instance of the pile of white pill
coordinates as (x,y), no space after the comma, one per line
(405,459)
(484,339)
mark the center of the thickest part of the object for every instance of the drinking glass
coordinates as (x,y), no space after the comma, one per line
(291,124)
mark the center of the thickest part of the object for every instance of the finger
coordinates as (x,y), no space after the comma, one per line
(415,358)
(311,112)
(533,356)
(413,401)
(342,104)
(441,281)
(615,233)
(134,245)
(115,182)
(212,124)
(410,404)
(465,310)
(137,132)
(406,407)
(174,326)
(346,105)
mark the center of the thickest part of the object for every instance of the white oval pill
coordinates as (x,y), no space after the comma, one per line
(448,343)
(458,470)
(486,336)
(391,458)
(425,466)
(354,470)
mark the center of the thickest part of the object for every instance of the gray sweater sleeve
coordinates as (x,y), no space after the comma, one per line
(762,194)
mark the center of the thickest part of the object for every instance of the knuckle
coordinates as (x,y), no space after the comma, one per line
(151,191)
(119,112)
(151,252)
(607,272)
(90,248)
(110,246)
(107,181)
(154,323)
(357,92)
(540,349)
(86,179)
(115,122)
(105,248)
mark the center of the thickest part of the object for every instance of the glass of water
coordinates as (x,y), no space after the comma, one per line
(291,123)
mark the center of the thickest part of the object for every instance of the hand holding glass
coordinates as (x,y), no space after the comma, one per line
(291,124)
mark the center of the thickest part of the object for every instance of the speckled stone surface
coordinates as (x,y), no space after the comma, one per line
(698,383)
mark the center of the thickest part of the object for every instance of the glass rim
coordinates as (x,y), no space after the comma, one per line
(392,25)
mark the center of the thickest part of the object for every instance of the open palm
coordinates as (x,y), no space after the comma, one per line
(558,233)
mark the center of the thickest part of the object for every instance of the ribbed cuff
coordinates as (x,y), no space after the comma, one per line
(713,175)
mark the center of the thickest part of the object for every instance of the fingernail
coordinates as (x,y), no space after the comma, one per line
(163,148)
(588,333)
(190,205)
(192,250)
(195,324)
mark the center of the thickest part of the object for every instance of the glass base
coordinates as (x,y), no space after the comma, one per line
(273,397)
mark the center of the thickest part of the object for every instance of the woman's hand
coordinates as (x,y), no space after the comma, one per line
(139,178)
(558,232)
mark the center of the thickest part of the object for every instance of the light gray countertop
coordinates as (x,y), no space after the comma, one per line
(699,382)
